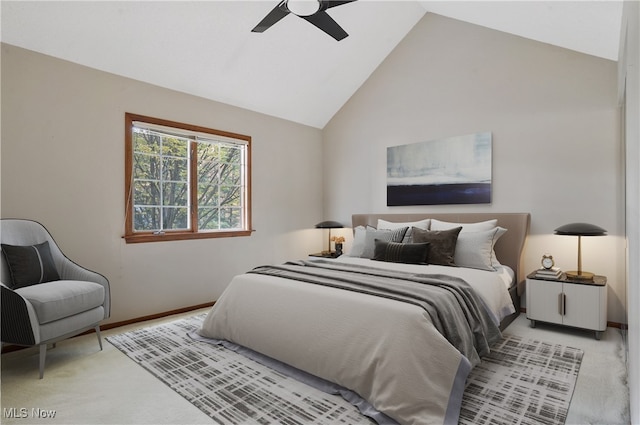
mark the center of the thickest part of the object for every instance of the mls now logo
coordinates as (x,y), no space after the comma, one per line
(23,412)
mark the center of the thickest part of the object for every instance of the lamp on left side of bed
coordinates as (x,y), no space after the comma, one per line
(329,224)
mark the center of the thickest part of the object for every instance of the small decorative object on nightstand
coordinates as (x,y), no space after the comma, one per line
(548,271)
(337,243)
(568,301)
(547,261)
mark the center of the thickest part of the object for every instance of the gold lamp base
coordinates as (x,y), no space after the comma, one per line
(580,275)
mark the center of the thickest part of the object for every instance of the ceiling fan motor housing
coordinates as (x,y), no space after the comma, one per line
(303,7)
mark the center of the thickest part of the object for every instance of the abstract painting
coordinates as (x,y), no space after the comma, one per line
(454,170)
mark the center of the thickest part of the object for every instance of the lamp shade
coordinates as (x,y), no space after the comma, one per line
(580,229)
(329,225)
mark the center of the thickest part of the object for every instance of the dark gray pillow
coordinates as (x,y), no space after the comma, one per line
(389,235)
(29,265)
(394,252)
(442,246)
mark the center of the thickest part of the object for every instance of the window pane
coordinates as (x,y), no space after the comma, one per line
(207,218)
(229,153)
(146,218)
(175,169)
(146,166)
(174,146)
(146,193)
(145,141)
(230,196)
(230,218)
(161,176)
(219,218)
(220,185)
(208,171)
(208,151)
(175,218)
(231,174)
(175,194)
(207,195)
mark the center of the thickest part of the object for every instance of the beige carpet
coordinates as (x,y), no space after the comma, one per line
(83,385)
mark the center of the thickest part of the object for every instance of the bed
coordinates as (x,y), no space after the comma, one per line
(399,335)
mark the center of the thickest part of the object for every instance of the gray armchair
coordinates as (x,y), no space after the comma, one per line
(45,296)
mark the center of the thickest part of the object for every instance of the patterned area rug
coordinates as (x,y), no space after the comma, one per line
(227,386)
(521,382)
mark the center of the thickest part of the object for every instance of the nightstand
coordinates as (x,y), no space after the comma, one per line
(568,302)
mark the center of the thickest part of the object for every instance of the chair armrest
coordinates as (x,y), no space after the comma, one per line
(69,270)
(18,322)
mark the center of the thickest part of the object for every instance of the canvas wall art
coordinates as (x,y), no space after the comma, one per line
(454,170)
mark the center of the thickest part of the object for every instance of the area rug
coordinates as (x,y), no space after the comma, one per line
(228,387)
(520,382)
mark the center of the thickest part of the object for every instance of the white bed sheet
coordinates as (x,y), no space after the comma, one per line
(493,287)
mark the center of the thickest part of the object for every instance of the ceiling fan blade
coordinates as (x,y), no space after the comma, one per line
(326,23)
(330,3)
(272,17)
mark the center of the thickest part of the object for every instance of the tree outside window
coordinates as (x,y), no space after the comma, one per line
(185,181)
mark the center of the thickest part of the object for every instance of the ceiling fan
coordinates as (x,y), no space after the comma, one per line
(313,11)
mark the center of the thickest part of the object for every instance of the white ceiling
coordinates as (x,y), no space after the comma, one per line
(293,70)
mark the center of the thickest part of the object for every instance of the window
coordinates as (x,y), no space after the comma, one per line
(184,181)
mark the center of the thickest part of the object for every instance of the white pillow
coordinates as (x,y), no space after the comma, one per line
(466,227)
(475,249)
(494,259)
(359,236)
(408,237)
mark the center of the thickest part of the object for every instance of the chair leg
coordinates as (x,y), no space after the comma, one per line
(43,356)
(99,339)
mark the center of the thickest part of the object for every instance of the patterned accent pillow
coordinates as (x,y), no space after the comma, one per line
(394,235)
(410,253)
(29,265)
(443,244)
(422,224)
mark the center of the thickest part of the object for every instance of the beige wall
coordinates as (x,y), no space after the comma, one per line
(555,122)
(63,165)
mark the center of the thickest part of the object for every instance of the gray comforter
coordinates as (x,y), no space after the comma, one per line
(389,348)
(455,309)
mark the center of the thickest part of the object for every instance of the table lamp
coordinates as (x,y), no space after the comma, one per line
(328,225)
(580,230)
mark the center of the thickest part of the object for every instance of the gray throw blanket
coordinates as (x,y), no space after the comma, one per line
(455,309)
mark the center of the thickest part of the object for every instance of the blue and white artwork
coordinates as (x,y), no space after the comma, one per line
(455,170)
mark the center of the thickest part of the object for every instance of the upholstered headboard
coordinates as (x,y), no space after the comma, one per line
(508,248)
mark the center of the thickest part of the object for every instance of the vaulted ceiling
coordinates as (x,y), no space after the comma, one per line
(293,70)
